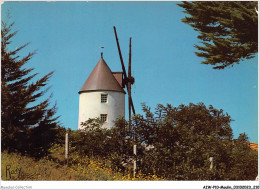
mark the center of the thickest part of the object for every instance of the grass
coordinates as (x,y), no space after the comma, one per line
(54,168)
(30,169)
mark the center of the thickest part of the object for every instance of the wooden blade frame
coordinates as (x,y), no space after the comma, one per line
(128,79)
(129,84)
(120,55)
(130,101)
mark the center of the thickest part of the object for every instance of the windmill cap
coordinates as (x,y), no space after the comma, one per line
(101,78)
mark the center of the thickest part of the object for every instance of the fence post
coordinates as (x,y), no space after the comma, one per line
(134,150)
(211,163)
(67,147)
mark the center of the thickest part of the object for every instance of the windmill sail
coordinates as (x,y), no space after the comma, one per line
(128,80)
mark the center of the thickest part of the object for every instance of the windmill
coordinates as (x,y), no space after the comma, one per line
(128,80)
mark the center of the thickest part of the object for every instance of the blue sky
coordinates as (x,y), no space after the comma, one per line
(67,37)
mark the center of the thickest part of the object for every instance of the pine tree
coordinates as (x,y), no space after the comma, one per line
(26,123)
(227,30)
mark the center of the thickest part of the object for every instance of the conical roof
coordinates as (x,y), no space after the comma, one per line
(101,78)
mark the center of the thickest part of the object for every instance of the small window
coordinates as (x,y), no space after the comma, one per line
(103,117)
(103,98)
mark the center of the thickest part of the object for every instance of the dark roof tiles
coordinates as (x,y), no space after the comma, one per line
(101,78)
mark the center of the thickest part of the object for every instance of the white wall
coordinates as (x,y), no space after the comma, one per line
(90,106)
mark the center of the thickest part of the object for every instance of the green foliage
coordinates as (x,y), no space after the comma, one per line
(185,137)
(173,143)
(228,30)
(26,126)
(97,142)
(90,140)
(244,162)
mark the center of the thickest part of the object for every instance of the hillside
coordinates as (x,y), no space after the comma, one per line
(17,167)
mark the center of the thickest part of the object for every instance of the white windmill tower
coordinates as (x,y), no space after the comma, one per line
(102,95)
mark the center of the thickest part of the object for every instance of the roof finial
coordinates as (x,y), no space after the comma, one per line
(102,52)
